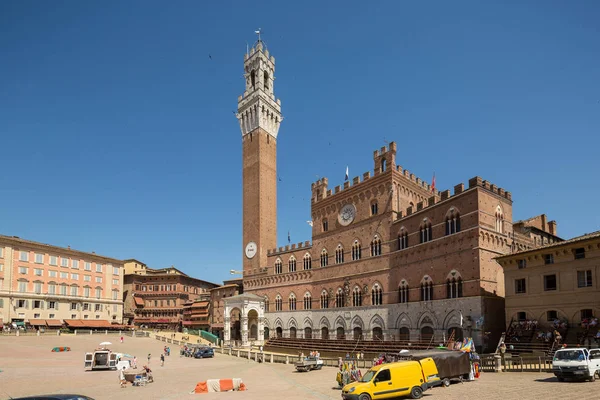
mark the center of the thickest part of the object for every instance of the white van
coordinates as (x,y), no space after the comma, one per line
(576,363)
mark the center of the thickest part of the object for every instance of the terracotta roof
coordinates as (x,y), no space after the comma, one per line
(138,301)
(53,322)
(200,304)
(587,236)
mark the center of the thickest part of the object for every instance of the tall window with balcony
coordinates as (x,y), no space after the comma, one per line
(402,240)
(356,250)
(340,299)
(452,222)
(356,297)
(324,299)
(403,292)
(377,295)
(426,231)
(324,258)
(339,254)
(307,301)
(307,262)
(426,290)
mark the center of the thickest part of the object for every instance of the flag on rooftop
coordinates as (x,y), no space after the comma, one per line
(346,174)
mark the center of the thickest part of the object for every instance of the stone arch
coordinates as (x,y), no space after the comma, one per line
(324,323)
(403,320)
(278,323)
(357,322)
(292,323)
(308,322)
(340,322)
(376,322)
(427,319)
(452,320)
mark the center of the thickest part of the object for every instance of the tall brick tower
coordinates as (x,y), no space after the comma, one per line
(259,114)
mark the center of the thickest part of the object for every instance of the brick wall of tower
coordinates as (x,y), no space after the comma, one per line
(259,159)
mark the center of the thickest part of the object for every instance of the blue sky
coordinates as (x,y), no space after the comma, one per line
(117,131)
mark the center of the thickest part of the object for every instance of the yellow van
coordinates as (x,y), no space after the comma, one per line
(393,380)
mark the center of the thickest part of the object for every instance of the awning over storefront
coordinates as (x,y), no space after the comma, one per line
(96,323)
(138,301)
(37,322)
(200,304)
(54,322)
(74,323)
(19,323)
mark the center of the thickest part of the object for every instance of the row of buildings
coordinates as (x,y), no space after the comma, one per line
(45,286)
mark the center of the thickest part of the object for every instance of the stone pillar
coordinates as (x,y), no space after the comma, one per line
(227,331)
(271,360)
(261,330)
(244,327)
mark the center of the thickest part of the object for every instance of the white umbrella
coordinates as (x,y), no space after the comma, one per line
(105,344)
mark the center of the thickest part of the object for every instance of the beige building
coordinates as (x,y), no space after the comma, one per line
(156,297)
(43,285)
(555,282)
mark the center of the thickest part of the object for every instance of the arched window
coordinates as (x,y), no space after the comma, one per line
(383,164)
(454,285)
(356,250)
(278,303)
(253,78)
(426,289)
(324,258)
(292,264)
(356,297)
(325,225)
(376,295)
(292,302)
(307,261)
(324,299)
(278,266)
(340,299)
(266,77)
(376,246)
(499,220)
(426,231)
(374,208)
(307,301)
(402,240)
(266,304)
(452,222)
(339,254)
(403,292)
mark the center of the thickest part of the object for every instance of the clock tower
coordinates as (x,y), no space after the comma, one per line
(259,115)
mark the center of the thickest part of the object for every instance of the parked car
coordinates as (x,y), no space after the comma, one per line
(402,378)
(576,363)
(204,352)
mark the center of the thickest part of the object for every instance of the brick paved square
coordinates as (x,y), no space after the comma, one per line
(29,367)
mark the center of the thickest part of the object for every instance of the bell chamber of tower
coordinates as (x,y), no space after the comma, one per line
(259,115)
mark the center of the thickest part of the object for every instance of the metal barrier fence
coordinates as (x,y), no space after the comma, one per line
(516,363)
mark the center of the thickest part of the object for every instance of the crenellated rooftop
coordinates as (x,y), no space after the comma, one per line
(289,248)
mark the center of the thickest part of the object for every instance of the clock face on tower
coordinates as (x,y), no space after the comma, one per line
(347,214)
(251,250)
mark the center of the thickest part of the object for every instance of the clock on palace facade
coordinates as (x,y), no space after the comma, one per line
(251,250)
(347,214)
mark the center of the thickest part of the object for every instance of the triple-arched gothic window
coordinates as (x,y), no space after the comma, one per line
(307,261)
(292,302)
(324,299)
(278,303)
(426,289)
(339,254)
(324,258)
(356,297)
(403,292)
(307,301)
(340,298)
(376,295)
(356,250)
(292,264)
(452,222)
(278,266)
(426,232)
(376,246)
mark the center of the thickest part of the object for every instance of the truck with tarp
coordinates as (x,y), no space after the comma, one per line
(451,364)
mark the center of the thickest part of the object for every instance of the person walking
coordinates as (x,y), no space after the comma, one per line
(134,362)
(121,339)
(149,355)
(122,379)
(162,360)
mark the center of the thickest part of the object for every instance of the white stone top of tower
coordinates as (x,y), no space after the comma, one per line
(258,107)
